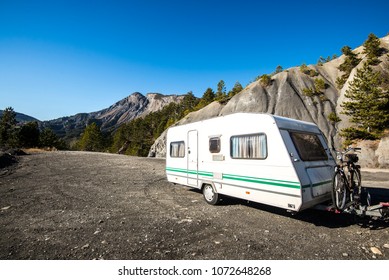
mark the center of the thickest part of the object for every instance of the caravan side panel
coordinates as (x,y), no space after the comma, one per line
(248,156)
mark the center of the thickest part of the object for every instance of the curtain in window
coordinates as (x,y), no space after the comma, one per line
(249,146)
(177,149)
(181,150)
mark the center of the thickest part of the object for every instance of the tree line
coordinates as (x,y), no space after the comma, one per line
(26,135)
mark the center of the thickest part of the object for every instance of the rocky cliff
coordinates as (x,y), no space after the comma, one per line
(287,95)
(125,110)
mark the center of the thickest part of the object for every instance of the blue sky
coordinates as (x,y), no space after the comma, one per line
(59,58)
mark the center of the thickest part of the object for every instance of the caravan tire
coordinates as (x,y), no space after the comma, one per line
(210,196)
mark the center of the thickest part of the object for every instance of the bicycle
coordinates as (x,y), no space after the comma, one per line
(346,185)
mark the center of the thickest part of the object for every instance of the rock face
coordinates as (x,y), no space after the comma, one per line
(287,96)
(134,106)
(283,97)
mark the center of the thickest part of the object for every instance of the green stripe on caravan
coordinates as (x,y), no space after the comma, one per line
(180,170)
(264,181)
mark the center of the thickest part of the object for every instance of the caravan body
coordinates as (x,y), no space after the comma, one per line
(257,157)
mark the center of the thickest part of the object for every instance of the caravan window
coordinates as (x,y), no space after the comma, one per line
(308,146)
(252,146)
(214,144)
(177,149)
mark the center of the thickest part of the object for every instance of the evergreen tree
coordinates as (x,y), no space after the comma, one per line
(265,80)
(92,139)
(48,139)
(321,61)
(368,103)
(189,102)
(29,135)
(350,61)
(235,90)
(320,85)
(221,91)
(372,49)
(279,69)
(208,97)
(8,137)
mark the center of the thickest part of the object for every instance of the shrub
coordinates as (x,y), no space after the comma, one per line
(265,80)
(333,117)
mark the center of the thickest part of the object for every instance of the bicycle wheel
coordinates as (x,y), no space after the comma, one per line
(357,179)
(339,190)
(356,185)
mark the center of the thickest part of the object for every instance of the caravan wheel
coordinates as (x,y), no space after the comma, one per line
(210,196)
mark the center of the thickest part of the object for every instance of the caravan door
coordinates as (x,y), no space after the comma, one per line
(312,161)
(192,164)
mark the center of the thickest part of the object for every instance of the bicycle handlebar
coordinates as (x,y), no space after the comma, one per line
(356,149)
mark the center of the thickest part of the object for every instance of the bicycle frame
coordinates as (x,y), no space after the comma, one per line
(345,190)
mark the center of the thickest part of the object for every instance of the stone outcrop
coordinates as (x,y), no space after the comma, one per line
(286,96)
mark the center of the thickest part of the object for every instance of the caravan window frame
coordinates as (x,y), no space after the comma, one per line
(178,150)
(262,156)
(214,148)
(319,152)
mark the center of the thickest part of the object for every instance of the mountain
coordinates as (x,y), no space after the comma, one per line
(134,106)
(22,118)
(289,94)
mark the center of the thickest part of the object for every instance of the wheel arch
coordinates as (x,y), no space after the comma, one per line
(204,183)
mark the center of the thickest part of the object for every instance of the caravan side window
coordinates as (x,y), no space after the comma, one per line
(177,149)
(253,146)
(214,145)
(308,146)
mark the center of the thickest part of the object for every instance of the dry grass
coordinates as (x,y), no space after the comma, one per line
(39,150)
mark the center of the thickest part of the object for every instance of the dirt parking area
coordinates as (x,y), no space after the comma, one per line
(76,205)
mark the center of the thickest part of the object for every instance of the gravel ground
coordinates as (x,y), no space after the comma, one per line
(78,205)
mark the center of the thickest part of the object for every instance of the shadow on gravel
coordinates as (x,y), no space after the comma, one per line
(8,157)
(325,218)
(6,160)
(333,220)
(313,216)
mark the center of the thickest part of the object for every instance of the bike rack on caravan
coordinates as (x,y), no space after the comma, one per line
(373,203)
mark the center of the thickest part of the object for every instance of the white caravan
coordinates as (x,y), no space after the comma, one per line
(257,157)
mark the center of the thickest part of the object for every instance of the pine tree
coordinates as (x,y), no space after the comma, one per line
(279,69)
(189,101)
(92,139)
(8,122)
(265,80)
(368,103)
(350,61)
(221,91)
(372,49)
(48,139)
(29,135)
(235,90)
(208,97)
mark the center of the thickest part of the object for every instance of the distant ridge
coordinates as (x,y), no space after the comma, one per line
(22,118)
(133,106)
